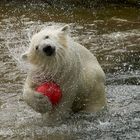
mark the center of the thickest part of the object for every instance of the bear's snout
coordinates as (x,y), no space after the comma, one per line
(49,50)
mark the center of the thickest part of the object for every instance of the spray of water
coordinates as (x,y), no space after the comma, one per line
(18,43)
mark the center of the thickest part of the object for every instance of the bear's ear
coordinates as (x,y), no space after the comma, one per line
(24,56)
(65,29)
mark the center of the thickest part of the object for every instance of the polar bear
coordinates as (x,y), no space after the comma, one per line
(55,56)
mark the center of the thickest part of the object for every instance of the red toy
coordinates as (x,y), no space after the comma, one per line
(51,90)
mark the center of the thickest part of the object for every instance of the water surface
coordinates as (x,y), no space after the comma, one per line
(111,33)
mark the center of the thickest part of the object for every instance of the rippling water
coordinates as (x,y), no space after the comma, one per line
(111,33)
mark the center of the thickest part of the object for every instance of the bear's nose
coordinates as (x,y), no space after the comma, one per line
(49,50)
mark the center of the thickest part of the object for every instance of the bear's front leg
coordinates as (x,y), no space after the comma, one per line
(57,116)
(36,100)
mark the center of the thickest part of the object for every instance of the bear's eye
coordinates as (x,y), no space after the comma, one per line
(36,47)
(46,37)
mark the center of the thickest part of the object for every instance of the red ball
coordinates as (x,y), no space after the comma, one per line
(51,90)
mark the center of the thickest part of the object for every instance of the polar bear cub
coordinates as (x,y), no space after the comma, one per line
(55,56)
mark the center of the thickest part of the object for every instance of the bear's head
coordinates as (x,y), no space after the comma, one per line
(47,46)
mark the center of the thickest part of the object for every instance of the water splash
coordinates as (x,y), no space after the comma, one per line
(18,42)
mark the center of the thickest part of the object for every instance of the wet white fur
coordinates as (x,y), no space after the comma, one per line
(73,67)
